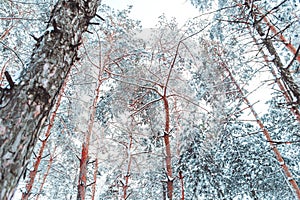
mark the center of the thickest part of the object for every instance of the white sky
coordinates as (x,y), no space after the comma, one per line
(148,11)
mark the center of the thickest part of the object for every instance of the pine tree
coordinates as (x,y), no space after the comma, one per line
(25,106)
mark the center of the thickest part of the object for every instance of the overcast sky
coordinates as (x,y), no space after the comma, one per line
(148,11)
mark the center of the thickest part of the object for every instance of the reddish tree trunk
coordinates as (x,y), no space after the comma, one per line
(46,173)
(294,110)
(85,146)
(83,172)
(285,73)
(265,131)
(182,184)
(95,179)
(168,149)
(258,14)
(126,185)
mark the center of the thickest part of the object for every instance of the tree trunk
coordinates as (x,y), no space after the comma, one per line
(38,160)
(289,99)
(81,187)
(52,156)
(25,107)
(95,177)
(259,14)
(288,174)
(181,184)
(168,149)
(82,181)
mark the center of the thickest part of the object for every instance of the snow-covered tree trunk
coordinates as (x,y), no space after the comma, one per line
(82,181)
(277,153)
(25,106)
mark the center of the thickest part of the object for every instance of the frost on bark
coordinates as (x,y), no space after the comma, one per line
(25,107)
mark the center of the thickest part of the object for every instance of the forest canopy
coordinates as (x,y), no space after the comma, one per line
(94,106)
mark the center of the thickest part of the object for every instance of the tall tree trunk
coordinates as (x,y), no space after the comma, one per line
(266,133)
(25,107)
(82,181)
(95,177)
(81,187)
(258,14)
(52,156)
(285,73)
(129,161)
(168,149)
(38,160)
(167,129)
(181,184)
(289,99)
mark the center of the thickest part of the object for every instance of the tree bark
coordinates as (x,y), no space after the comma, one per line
(129,161)
(168,149)
(259,14)
(181,184)
(289,99)
(283,165)
(25,107)
(52,157)
(82,181)
(38,160)
(95,177)
(81,187)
